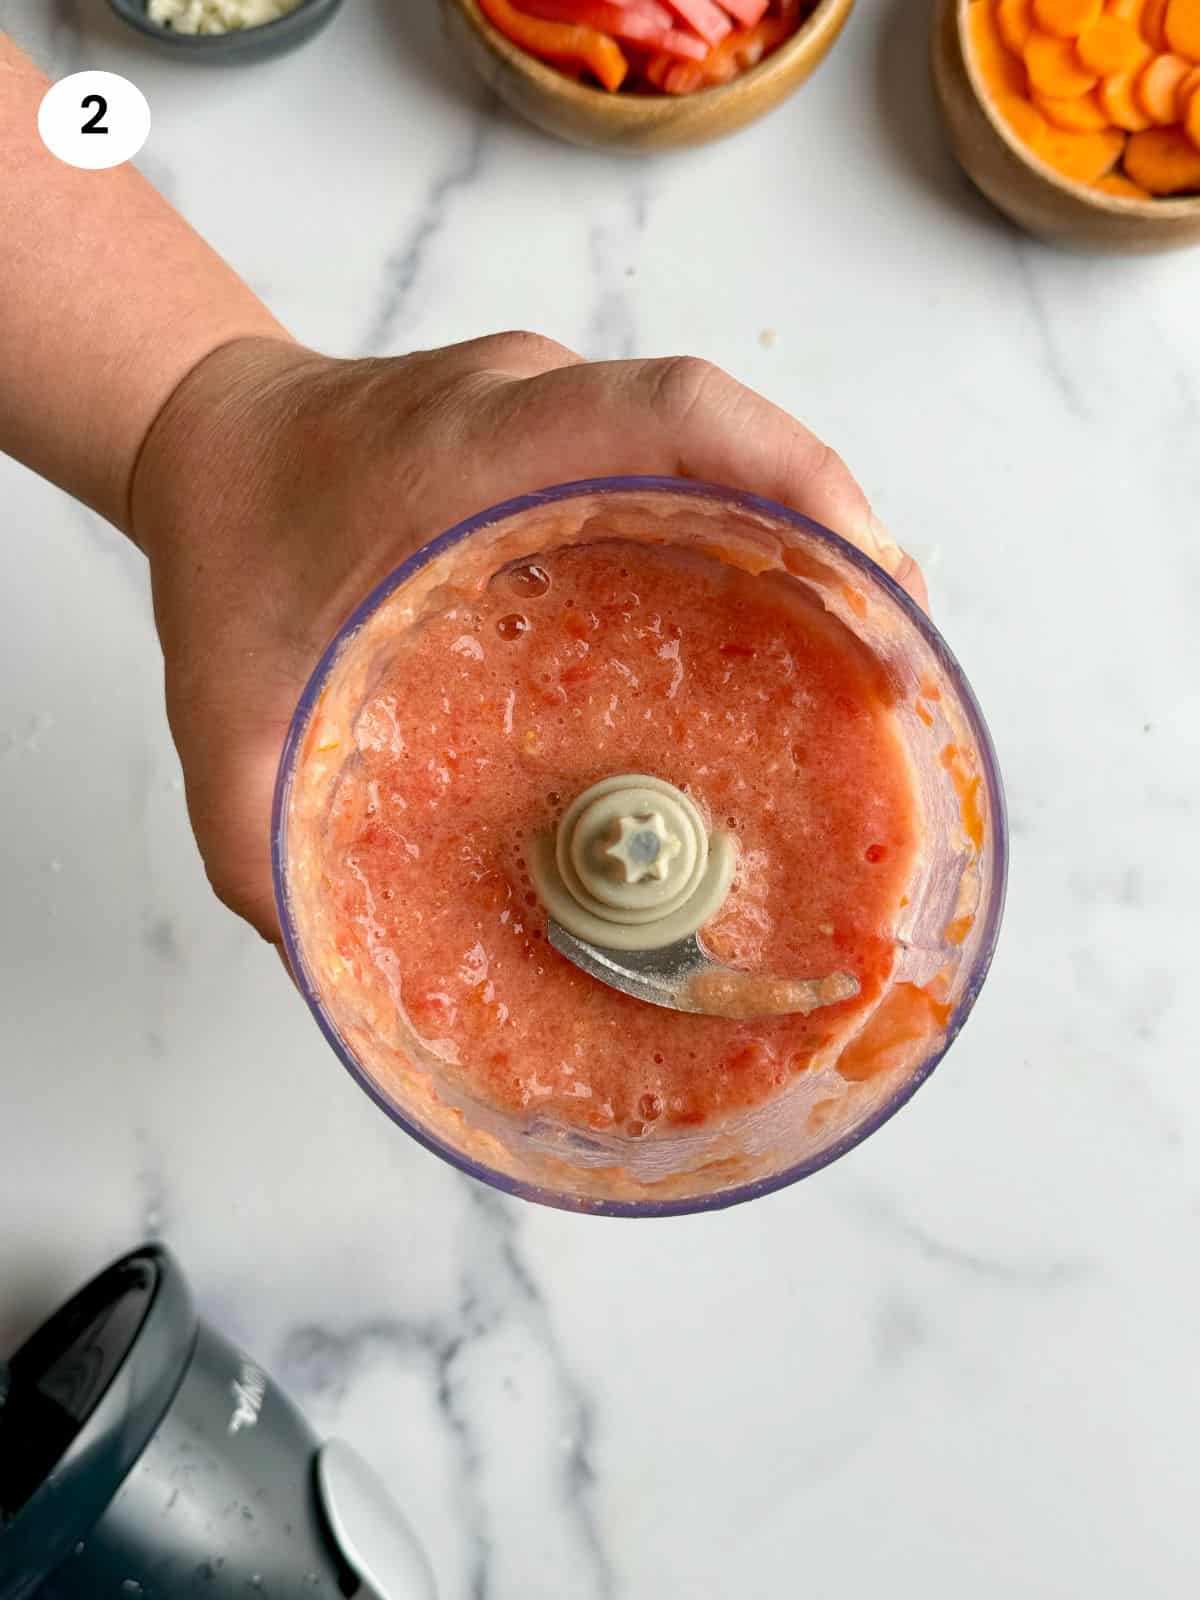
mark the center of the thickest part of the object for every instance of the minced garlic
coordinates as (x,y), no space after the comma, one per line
(216,16)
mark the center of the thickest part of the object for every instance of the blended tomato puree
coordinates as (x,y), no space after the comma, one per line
(491,715)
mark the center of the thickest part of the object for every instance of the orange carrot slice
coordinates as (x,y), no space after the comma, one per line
(1055,69)
(1022,116)
(1127,10)
(1111,45)
(1001,71)
(1123,188)
(1084,114)
(1157,88)
(1066,19)
(1163,160)
(559,41)
(1116,95)
(1085,157)
(1183,95)
(1014,18)
(1191,115)
(1153,19)
(1182,28)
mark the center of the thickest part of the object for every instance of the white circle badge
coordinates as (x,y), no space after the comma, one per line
(94,120)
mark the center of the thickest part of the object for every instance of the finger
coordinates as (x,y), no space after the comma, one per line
(227,810)
(909,576)
(900,565)
(684,417)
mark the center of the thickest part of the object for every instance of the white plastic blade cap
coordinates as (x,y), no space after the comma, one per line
(376,1541)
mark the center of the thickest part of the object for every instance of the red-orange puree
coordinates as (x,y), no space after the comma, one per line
(617,657)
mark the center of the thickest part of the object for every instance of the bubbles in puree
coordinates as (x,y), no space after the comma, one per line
(488,718)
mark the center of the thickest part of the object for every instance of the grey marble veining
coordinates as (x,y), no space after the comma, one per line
(961,1361)
(612,332)
(514,1417)
(404,264)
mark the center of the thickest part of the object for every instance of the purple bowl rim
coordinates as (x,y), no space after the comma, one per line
(696,488)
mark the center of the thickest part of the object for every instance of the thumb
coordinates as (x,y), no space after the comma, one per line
(687,418)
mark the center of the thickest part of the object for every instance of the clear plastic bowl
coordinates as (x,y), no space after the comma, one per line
(944,946)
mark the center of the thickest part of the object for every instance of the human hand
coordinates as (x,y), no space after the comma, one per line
(277,487)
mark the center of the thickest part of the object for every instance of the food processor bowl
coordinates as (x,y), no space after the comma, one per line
(944,941)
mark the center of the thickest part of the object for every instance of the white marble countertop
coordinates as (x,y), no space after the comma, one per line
(963,1361)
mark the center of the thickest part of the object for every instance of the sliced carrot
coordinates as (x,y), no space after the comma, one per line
(1128,10)
(1153,19)
(1084,114)
(1055,69)
(1157,88)
(1191,115)
(1123,188)
(1014,18)
(1184,95)
(1002,72)
(1116,95)
(560,41)
(1085,157)
(1022,116)
(1163,160)
(1182,28)
(1111,45)
(1066,19)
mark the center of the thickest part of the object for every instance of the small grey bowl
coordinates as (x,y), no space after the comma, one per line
(241,44)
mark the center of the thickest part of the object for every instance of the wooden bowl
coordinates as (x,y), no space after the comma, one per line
(1020,183)
(639,122)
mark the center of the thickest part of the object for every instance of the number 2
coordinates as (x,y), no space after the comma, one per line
(93,124)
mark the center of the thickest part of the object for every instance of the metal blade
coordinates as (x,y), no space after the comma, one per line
(683,977)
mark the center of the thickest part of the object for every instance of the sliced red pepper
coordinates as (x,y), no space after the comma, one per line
(682,42)
(706,17)
(747,12)
(559,41)
(649,8)
(630,24)
(683,78)
(639,22)
(657,68)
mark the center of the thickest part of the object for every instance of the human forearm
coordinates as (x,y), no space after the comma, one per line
(107,300)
